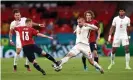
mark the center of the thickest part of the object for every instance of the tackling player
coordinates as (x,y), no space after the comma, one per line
(29,47)
(82,44)
(19,21)
(89,15)
(120,24)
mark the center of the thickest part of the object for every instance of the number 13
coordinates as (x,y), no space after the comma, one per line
(25,35)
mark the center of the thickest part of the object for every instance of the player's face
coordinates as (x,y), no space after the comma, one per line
(17,16)
(121,12)
(80,22)
(29,24)
(88,16)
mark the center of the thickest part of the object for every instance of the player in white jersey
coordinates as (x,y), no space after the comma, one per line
(82,44)
(120,23)
(19,21)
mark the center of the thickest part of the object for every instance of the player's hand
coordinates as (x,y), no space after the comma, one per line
(109,39)
(12,43)
(85,24)
(51,38)
(98,38)
(41,25)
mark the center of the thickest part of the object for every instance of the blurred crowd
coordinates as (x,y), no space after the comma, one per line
(58,17)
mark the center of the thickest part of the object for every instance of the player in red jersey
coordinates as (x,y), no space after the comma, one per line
(93,37)
(26,33)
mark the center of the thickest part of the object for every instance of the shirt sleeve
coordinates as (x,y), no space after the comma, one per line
(128,22)
(12,25)
(89,26)
(34,32)
(114,22)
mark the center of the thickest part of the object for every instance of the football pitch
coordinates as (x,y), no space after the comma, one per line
(73,70)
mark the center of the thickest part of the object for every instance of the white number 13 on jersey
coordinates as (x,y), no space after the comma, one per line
(25,35)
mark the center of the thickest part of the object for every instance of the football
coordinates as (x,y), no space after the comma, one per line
(57,68)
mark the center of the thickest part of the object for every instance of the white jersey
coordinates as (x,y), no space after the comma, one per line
(13,25)
(121,25)
(82,34)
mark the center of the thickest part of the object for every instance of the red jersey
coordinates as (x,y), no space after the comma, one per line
(26,34)
(93,36)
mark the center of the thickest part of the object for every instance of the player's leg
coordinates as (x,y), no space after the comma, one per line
(94,51)
(39,51)
(73,52)
(29,53)
(116,44)
(84,63)
(16,56)
(112,57)
(125,43)
(87,53)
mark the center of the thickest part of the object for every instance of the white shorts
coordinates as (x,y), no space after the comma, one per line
(83,48)
(18,42)
(117,41)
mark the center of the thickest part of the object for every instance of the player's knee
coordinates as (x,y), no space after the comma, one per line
(114,50)
(95,53)
(91,61)
(31,60)
(18,50)
(126,49)
(70,55)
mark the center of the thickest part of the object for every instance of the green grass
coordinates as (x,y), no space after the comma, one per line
(73,70)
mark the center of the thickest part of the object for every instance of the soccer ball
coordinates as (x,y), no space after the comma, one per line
(57,68)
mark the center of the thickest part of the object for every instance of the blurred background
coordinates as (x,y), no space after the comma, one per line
(60,17)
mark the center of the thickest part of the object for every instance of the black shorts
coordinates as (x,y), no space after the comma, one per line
(29,51)
(93,46)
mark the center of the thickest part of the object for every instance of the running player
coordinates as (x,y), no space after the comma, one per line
(19,21)
(26,33)
(89,15)
(120,24)
(82,44)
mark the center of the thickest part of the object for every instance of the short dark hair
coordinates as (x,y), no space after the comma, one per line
(16,11)
(28,20)
(90,12)
(122,9)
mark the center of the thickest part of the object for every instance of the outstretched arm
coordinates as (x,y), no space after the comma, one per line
(45,36)
(91,26)
(36,24)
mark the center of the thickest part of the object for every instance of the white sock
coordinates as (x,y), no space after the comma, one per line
(97,65)
(64,60)
(112,57)
(27,61)
(127,58)
(16,56)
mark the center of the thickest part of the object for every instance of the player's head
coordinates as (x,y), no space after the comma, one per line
(81,21)
(121,11)
(89,15)
(28,22)
(17,14)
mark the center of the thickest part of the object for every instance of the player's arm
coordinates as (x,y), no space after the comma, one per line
(75,30)
(36,33)
(99,33)
(36,24)
(91,26)
(45,36)
(11,34)
(128,29)
(111,32)
(112,29)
